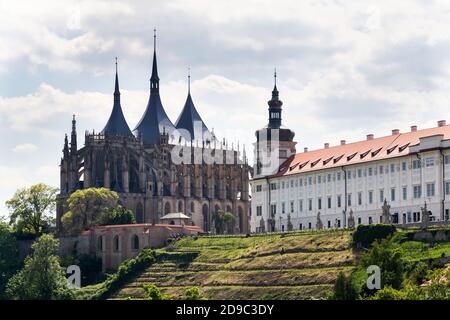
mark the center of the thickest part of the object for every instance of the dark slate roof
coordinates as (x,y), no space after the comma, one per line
(117,125)
(186,120)
(155,118)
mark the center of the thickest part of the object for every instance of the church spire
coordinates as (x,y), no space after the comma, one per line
(116,87)
(275,106)
(73,137)
(154,80)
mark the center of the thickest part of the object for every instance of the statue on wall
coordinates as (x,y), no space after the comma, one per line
(386,217)
(425,217)
(319,224)
(351,220)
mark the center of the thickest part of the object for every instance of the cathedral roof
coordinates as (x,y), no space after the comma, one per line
(372,149)
(117,125)
(189,119)
(155,120)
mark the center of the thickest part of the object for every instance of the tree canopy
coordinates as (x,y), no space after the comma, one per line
(42,277)
(223,221)
(86,207)
(31,209)
(9,261)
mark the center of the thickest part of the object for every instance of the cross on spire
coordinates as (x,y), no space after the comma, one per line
(189,79)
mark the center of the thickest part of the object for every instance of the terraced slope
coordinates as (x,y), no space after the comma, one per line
(288,266)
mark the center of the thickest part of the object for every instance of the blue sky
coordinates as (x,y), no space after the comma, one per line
(345,69)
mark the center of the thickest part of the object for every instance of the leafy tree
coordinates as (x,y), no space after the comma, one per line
(344,288)
(153,293)
(9,261)
(86,207)
(42,277)
(31,209)
(386,256)
(119,215)
(193,293)
(223,221)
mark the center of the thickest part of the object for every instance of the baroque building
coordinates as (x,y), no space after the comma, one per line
(402,178)
(159,167)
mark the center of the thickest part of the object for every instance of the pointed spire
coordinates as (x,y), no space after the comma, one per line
(154,80)
(189,80)
(73,136)
(275,89)
(275,106)
(66,146)
(117,125)
(116,87)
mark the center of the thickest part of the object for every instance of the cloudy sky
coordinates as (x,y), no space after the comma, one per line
(345,69)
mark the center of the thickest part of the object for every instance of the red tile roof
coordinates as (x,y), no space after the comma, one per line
(392,146)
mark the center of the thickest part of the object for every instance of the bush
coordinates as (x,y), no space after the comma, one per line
(193,294)
(367,234)
(126,271)
(153,293)
(344,288)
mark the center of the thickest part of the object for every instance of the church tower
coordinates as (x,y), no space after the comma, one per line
(274,143)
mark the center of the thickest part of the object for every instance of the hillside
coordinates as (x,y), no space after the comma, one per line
(287,266)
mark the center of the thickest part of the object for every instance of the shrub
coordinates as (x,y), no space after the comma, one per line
(153,293)
(367,234)
(344,288)
(193,294)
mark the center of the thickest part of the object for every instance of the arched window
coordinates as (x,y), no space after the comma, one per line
(135,242)
(100,243)
(180,206)
(116,243)
(192,207)
(167,208)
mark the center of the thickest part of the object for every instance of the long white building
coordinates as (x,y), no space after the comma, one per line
(406,169)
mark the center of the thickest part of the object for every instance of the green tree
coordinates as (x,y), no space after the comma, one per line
(193,293)
(31,209)
(223,221)
(86,207)
(152,292)
(9,261)
(119,215)
(344,288)
(388,257)
(42,277)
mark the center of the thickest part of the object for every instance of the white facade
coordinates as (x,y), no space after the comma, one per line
(406,182)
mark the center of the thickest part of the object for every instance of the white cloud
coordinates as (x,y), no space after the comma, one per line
(25,148)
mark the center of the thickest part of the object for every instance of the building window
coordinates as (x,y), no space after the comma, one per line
(100,243)
(273,186)
(273,209)
(282,185)
(392,167)
(359,220)
(338,176)
(416,164)
(310,204)
(370,172)
(292,183)
(319,203)
(339,223)
(283,208)
(403,166)
(259,211)
(329,177)
(329,202)
(135,242)
(309,225)
(359,198)
(319,179)
(258,188)
(393,194)
(300,203)
(381,195)
(359,173)
(349,175)
(339,201)
(349,200)
(447,159)
(417,192)
(329,224)
(429,162)
(430,189)
(370,220)
(370,197)
(116,243)
(381,169)
(292,206)
(447,188)
(405,193)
